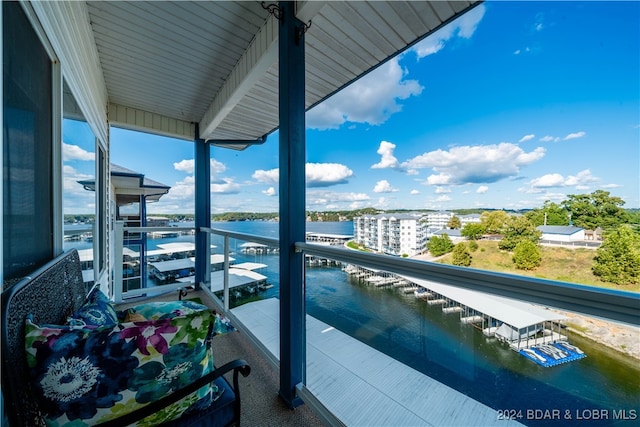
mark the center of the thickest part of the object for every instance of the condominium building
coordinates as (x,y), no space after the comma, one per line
(393,234)
(438,219)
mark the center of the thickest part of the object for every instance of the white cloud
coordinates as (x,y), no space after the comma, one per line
(474,164)
(463,27)
(226,186)
(266,176)
(580,180)
(527,138)
(371,99)
(442,190)
(443,198)
(482,189)
(548,180)
(270,192)
(384,187)
(327,174)
(76,198)
(317,175)
(575,135)
(414,192)
(323,199)
(73,152)
(189,166)
(388,160)
(519,51)
(549,138)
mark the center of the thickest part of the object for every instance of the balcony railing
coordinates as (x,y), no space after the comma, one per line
(607,304)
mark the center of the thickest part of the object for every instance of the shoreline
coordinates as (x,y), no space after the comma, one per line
(623,338)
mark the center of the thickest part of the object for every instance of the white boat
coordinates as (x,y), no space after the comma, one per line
(534,355)
(570,347)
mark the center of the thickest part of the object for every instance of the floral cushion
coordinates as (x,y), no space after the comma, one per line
(97,312)
(164,309)
(84,376)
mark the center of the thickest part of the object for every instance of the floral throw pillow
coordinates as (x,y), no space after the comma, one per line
(96,312)
(84,376)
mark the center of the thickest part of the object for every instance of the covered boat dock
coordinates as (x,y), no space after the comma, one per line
(519,324)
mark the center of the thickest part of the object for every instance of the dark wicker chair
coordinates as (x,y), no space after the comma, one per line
(51,294)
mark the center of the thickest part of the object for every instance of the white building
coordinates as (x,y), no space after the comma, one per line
(561,233)
(439,219)
(393,234)
(469,219)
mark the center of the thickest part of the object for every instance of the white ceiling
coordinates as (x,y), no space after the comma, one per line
(216,64)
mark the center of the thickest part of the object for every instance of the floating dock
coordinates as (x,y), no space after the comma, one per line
(548,355)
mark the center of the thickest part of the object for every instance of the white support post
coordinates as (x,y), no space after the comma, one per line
(117,262)
(226,274)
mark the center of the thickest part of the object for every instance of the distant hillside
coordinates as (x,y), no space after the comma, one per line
(558,263)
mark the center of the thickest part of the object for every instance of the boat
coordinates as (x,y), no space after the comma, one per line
(570,347)
(534,355)
(421,292)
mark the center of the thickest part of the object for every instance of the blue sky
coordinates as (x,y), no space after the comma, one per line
(511,105)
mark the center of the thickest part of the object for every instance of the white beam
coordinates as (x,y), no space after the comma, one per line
(145,121)
(261,54)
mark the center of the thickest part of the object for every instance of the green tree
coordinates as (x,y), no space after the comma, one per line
(472,230)
(454,223)
(473,246)
(461,255)
(550,214)
(526,255)
(617,260)
(493,222)
(518,228)
(597,209)
(440,245)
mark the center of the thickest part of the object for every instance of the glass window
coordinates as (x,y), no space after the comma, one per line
(27,146)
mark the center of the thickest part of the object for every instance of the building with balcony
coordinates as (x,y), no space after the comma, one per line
(392,234)
(229,74)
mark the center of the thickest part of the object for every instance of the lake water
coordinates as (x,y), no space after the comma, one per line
(604,384)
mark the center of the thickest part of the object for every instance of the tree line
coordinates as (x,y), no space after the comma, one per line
(617,260)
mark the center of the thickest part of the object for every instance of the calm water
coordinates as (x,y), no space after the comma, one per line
(601,385)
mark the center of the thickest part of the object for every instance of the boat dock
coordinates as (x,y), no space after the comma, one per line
(525,328)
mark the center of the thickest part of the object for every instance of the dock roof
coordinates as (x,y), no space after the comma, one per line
(237,277)
(512,312)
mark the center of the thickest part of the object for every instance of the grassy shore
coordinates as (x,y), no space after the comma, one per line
(558,263)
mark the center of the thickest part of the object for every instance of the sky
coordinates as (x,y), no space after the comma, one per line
(511,105)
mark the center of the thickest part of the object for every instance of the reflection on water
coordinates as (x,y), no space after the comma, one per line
(459,355)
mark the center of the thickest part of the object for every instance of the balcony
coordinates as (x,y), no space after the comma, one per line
(405,355)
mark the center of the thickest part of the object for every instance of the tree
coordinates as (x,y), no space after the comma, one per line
(440,245)
(549,214)
(461,255)
(454,223)
(472,230)
(617,260)
(526,255)
(493,222)
(597,209)
(518,228)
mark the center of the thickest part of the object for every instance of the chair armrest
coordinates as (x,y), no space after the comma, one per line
(237,366)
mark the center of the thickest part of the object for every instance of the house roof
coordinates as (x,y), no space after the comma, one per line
(129,185)
(163,66)
(559,229)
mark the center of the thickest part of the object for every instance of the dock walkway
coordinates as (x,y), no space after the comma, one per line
(362,386)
